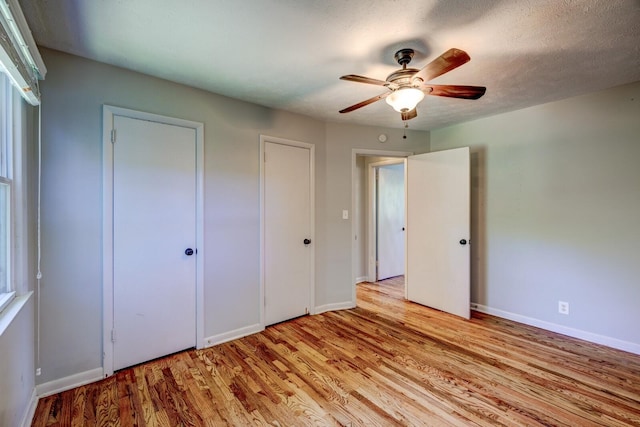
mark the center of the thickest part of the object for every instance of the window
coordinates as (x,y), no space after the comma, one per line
(21,68)
(6,193)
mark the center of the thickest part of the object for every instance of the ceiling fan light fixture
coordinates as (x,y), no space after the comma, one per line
(405,99)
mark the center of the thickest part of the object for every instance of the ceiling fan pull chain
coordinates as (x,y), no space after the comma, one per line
(404,131)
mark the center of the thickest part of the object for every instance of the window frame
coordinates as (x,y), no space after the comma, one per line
(12,119)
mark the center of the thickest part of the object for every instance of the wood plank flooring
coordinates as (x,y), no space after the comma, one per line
(386,363)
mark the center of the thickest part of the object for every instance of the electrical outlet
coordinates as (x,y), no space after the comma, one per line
(563,307)
(38,372)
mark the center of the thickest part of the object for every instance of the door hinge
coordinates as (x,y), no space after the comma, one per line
(113,335)
(113,136)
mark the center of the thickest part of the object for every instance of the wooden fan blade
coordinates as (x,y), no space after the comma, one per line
(455,91)
(409,114)
(367,102)
(453,58)
(362,79)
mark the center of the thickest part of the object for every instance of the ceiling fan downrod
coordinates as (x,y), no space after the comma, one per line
(404,56)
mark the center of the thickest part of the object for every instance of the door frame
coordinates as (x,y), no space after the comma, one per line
(355,152)
(264,139)
(372,212)
(108,115)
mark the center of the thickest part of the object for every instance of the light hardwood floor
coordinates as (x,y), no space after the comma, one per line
(386,363)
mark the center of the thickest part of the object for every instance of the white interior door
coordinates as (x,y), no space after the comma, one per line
(390,217)
(154,223)
(438,230)
(287,194)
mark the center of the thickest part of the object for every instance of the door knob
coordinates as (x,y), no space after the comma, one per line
(463,242)
(188,252)
(307,241)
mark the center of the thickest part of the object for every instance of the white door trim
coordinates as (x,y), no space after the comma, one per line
(312,150)
(355,152)
(372,232)
(108,114)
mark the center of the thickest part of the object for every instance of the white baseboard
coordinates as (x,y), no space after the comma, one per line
(232,335)
(334,307)
(27,417)
(362,279)
(67,383)
(564,330)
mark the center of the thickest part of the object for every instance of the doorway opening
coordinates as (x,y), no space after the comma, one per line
(386,219)
(369,243)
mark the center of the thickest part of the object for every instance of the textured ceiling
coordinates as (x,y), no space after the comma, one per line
(288,54)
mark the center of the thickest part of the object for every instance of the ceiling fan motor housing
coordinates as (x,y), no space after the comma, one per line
(402,77)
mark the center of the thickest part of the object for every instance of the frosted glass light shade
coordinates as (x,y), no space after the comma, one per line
(405,99)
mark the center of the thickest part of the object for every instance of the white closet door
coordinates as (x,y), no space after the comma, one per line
(154,225)
(287,222)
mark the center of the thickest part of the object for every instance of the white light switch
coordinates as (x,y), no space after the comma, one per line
(345,214)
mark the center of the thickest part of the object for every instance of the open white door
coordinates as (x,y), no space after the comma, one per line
(390,221)
(438,252)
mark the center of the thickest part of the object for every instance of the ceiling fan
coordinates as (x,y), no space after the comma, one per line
(406,87)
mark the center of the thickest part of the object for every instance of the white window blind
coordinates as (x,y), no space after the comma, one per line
(19,56)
